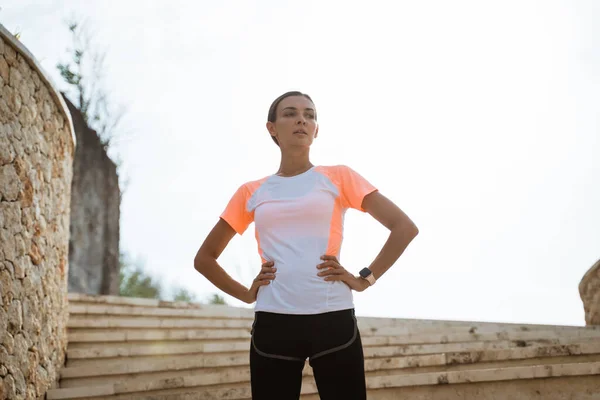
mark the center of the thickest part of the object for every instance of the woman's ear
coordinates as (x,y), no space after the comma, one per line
(316,132)
(271,129)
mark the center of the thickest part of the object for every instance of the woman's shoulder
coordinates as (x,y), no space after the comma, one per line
(252,185)
(340,174)
(336,170)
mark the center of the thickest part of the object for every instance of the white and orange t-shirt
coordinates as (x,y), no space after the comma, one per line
(297,220)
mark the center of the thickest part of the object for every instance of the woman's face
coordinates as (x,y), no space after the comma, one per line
(296,123)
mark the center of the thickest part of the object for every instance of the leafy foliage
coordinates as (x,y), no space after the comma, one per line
(217,299)
(84,74)
(135,282)
(184,295)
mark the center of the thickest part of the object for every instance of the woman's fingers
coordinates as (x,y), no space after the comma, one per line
(262,277)
(268,270)
(329,264)
(268,267)
(333,271)
(267,273)
(264,282)
(336,271)
(330,258)
(339,277)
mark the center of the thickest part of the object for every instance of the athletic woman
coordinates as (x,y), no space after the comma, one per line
(304,302)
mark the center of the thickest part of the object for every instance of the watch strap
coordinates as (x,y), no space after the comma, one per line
(371,279)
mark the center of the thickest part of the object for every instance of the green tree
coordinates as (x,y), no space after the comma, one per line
(84,75)
(135,282)
(183,294)
(217,299)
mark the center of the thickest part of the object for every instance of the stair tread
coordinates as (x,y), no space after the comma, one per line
(373,382)
(142,364)
(375,348)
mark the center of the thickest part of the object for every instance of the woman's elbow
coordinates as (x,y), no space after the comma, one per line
(414,229)
(407,227)
(201,262)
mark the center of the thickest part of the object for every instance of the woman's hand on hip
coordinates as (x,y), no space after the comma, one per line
(265,276)
(332,270)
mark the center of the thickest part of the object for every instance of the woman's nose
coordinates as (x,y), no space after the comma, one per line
(301,120)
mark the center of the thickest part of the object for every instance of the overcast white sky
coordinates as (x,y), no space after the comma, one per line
(478,118)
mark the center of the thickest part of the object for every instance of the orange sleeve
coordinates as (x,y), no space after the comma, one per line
(354,188)
(236,213)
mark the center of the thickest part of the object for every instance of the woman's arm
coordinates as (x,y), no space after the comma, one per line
(206,263)
(402,231)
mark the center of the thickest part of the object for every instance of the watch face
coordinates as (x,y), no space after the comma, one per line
(365,272)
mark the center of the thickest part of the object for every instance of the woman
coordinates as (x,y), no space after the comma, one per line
(304,305)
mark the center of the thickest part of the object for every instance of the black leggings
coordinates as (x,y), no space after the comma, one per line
(281,343)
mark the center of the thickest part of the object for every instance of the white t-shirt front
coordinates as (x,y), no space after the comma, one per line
(297,220)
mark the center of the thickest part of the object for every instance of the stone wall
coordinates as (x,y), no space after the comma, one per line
(589,289)
(94,226)
(36,156)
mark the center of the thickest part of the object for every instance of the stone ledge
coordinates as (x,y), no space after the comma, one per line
(373,382)
(407,350)
(155,349)
(241,375)
(427,363)
(87,299)
(77,309)
(485,375)
(79,300)
(80,392)
(112,300)
(142,322)
(474,329)
(33,63)
(472,355)
(371,348)
(144,308)
(556,388)
(157,322)
(99,336)
(102,335)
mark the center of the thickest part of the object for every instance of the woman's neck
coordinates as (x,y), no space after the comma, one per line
(294,163)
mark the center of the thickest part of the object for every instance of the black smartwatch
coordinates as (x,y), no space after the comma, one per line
(367,275)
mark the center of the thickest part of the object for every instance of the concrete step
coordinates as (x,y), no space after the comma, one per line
(473,328)
(202,383)
(153,322)
(90,338)
(155,349)
(134,365)
(117,322)
(373,347)
(534,355)
(394,357)
(104,335)
(484,375)
(192,312)
(129,348)
(115,305)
